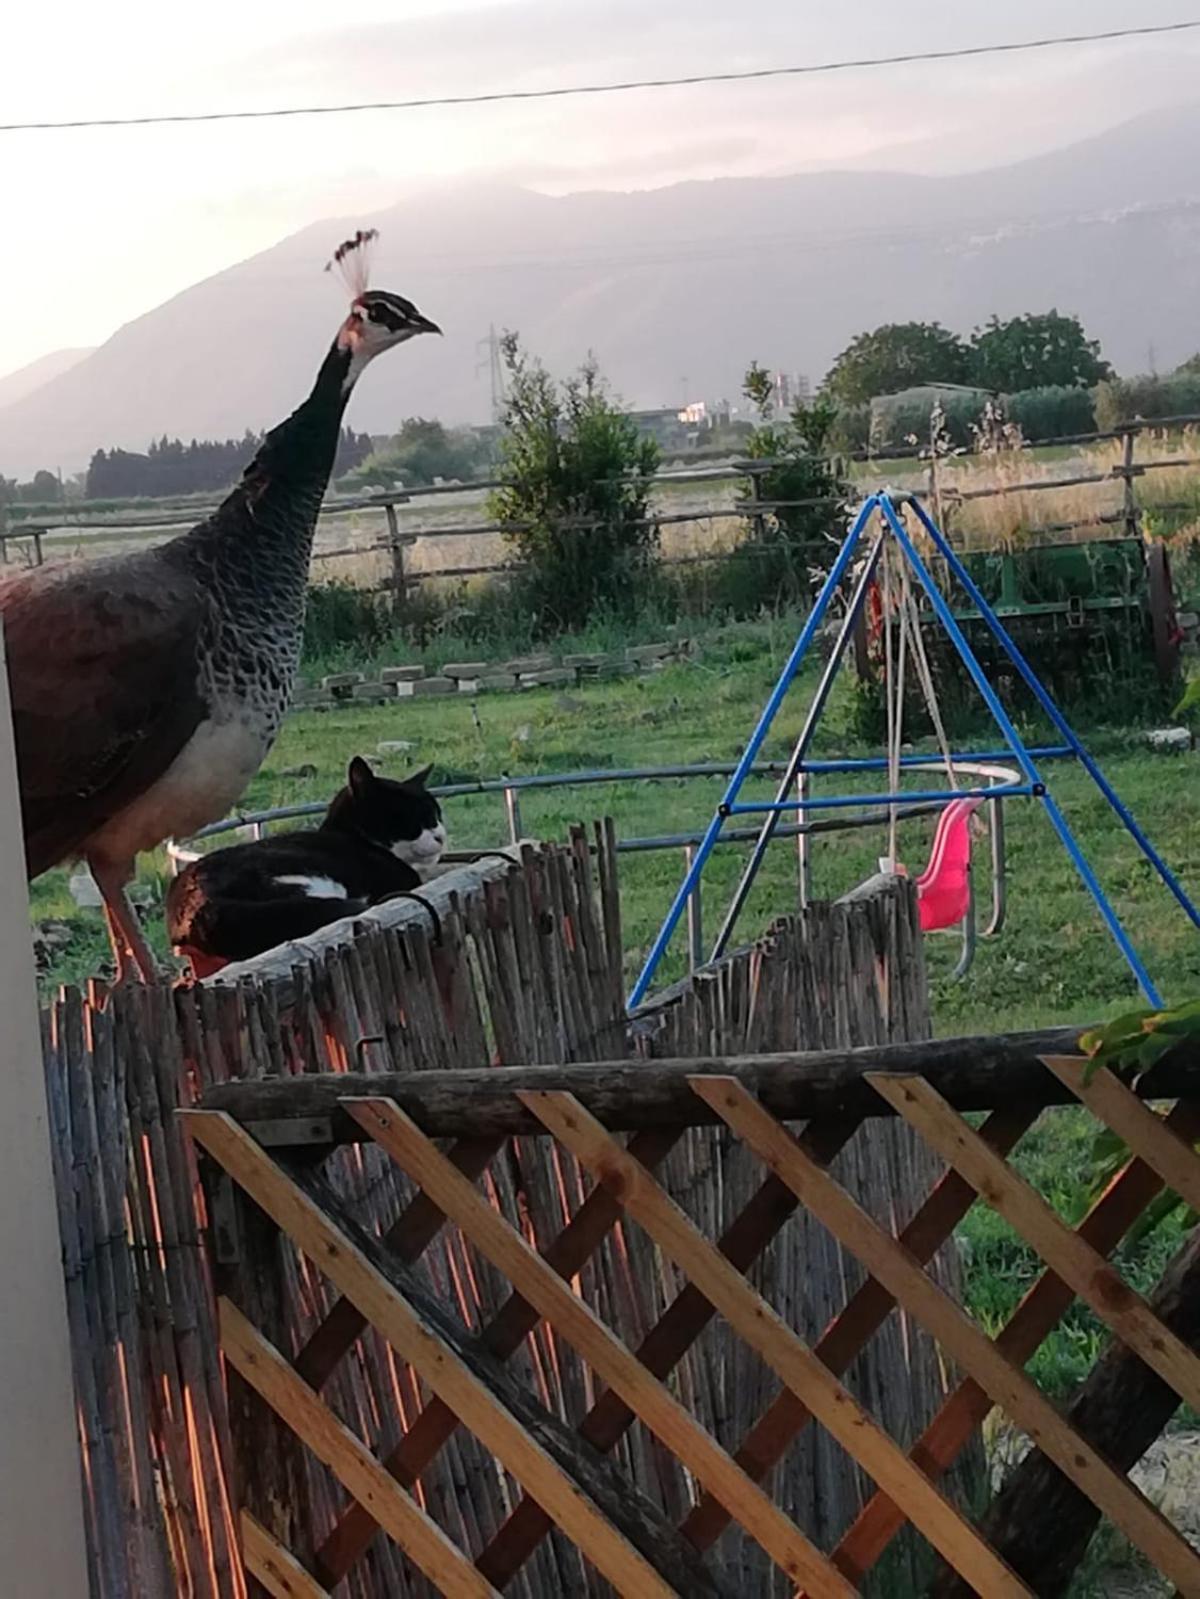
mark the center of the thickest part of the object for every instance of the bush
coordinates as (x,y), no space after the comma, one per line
(1146,398)
(897,419)
(576,501)
(850,433)
(343,619)
(1053,413)
(422,451)
(789,542)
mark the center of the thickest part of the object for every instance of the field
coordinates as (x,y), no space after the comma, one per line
(1053,963)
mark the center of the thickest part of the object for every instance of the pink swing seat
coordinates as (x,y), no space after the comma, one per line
(944,887)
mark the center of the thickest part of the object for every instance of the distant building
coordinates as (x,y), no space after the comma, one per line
(665,425)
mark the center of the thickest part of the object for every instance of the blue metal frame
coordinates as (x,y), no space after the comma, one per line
(1034,784)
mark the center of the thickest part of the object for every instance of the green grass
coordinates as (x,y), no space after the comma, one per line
(1054,961)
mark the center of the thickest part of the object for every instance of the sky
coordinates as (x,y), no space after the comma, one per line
(102,225)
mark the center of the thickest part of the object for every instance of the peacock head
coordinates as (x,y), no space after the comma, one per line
(378,319)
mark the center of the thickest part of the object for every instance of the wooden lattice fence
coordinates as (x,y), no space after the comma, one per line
(622,1532)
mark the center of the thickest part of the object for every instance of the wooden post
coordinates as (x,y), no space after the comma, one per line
(1129,471)
(396,550)
(42,1550)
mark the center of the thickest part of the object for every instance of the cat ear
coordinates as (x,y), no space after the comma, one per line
(419,779)
(360,775)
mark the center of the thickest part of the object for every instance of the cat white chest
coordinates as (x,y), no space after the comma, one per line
(205,779)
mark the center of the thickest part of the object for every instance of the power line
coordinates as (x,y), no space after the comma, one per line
(565,91)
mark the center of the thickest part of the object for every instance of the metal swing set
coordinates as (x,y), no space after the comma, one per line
(878,542)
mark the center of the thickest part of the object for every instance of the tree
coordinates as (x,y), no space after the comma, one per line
(423,449)
(896,356)
(576,499)
(1034,352)
(804,488)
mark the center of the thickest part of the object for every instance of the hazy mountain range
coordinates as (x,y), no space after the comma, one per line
(675,289)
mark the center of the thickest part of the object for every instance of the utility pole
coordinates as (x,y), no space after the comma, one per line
(495,367)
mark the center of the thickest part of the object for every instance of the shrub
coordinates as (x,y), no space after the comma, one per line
(788,542)
(576,500)
(1146,398)
(1053,413)
(343,619)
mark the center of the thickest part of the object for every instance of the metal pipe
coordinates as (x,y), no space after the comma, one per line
(807,633)
(803,848)
(512,806)
(942,797)
(967,957)
(800,748)
(999,870)
(695,915)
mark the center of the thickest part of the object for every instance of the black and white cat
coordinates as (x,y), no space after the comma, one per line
(378,837)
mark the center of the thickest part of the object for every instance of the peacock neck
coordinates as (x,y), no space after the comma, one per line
(262,533)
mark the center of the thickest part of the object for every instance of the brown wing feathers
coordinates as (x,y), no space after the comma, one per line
(102,662)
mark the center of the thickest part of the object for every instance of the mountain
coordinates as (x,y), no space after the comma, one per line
(17,385)
(675,289)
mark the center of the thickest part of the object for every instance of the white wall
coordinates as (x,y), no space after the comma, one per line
(42,1553)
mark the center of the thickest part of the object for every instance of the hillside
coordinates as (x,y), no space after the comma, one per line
(673,288)
(15,386)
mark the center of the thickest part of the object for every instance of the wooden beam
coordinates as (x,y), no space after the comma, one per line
(503,1335)
(971,1073)
(887,1261)
(259,1363)
(415,1340)
(408,1237)
(275,1567)
(1045,1303)
(1148,1135)
(769,1335)
(1100,1286)
(541,1286)
(865,1312)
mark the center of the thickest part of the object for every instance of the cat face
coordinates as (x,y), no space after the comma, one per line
(403,817)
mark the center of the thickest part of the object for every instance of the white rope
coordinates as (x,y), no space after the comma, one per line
(912,621)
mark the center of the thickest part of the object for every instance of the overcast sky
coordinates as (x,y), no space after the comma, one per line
(102,225)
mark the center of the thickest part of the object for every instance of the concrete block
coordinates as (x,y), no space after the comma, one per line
(401,674)
(649,652)
(527,664)
(435,685)
(552,677)
(465,669)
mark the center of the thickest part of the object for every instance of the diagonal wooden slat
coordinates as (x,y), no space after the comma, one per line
(865,1312)
(673,1334)
(886,1260)
(503,1335)
(408,1237)
(541,1286)
(333,1250)
(1096,1282)
(259,1363)
(765,1331)
(1106,1096)
(275,1567)
(1048,1299)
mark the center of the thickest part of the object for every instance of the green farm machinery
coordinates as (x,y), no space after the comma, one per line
(1097,618)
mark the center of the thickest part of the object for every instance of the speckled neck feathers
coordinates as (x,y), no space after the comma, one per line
(251,557)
